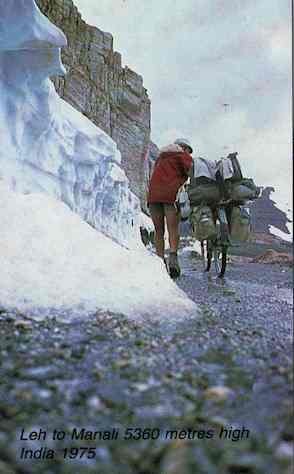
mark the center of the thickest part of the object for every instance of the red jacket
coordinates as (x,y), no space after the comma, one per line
(170,173)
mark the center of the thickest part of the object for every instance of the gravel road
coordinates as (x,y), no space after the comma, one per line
(222,382)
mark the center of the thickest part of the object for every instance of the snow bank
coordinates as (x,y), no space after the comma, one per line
(146,222)
(53,263)
(281,235)
(46,145)
(193,246)
(283,202)
(25,27)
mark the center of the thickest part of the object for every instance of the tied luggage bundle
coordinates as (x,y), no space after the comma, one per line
(204,186)
(244,190)
(213,182)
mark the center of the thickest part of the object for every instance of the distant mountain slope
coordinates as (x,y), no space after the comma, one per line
(265,214)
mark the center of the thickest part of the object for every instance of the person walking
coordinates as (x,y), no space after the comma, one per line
(170,173)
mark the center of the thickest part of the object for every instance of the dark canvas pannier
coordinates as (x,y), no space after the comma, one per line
(203,225)
(244,190)
(240,224)
(208,193)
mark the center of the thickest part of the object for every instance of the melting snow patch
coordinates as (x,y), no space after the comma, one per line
(282,235)
(53,263)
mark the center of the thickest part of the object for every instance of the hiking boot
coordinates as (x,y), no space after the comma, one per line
(174,267)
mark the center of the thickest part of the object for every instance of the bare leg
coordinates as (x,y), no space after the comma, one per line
(157,216)
(172,221)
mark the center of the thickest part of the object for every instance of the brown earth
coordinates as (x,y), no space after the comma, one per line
(271,256)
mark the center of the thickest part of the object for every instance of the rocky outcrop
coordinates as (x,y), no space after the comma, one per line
(265,213)
(111,96)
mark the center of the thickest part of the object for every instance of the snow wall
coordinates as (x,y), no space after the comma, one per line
(46,145)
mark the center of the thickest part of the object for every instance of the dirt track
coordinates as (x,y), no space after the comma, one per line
(231,369)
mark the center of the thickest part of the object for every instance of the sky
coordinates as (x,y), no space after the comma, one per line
(217,72)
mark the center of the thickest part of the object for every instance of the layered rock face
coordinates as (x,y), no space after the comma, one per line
(97,85)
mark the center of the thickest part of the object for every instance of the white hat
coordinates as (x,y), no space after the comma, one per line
(184,141)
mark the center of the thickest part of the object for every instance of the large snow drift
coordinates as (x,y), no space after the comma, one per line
(53,263)
(46,145)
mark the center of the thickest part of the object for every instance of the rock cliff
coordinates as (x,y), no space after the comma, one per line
(111,96)
(265,213)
